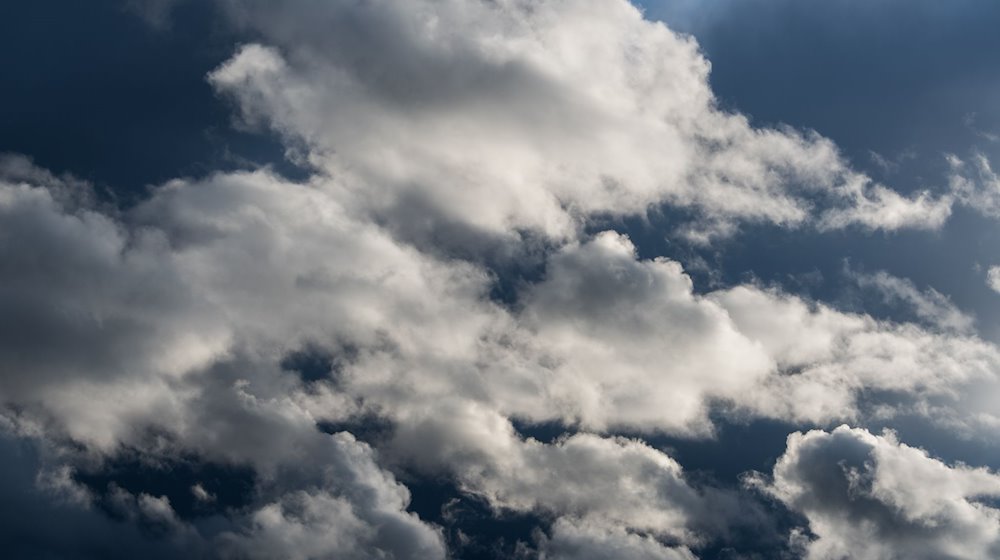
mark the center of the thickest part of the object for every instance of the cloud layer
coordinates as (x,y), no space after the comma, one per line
(247,320)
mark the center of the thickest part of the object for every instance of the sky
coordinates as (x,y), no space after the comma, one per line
(475,279)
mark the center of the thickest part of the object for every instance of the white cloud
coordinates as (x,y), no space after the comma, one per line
(644,499)
(825,358)
(441,132)
(872,497)
(508,115)
(171,319)
(929,305)
(584,541)
(624,336)
(993,278)
(303,526)
(645,489)
(359,514)
(975,184)
(604,341)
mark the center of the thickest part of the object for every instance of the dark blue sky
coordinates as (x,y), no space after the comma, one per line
(92,89)
(910,81)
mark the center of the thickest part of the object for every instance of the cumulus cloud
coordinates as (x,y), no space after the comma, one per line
(509,115)
(624,335)
(444,137)
(588,542)
(826,358)
(359,515)
(646,489)
(148,322)
(246,268)
(869,496)
(647,505)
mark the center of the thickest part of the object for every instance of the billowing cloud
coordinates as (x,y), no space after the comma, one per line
(363,518)
(993,278)
(602,341)
(577,540)
(871,497)
(501,116)
(247,320)
(826,359)
(233,273)
(623,335)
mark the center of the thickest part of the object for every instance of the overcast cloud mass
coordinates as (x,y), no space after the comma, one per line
(491,279)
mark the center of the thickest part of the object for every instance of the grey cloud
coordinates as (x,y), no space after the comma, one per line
(586,542)
(872,497)
(43,522)
(209,403)
(84,301)
(313,523)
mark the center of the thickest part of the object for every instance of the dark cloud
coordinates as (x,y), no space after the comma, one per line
(46,524)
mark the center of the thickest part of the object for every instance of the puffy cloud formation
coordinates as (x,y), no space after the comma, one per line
(644,492)
(826,359)
(993,278)
(871,497)
(234,273)
(623,336)
(448,142)
(363,519)
(501,116)
(574,540)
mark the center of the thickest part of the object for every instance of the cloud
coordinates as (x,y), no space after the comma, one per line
(46,514)
(868,497)
(648,504)
(975,184)
(157,13)
(447,140)
(85,302)
(315,523)
(246,268)
(587,542)
(501,117)
(929,305)
(169,328)
(622,337)
(993,278)
(647,490)
(826,359)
